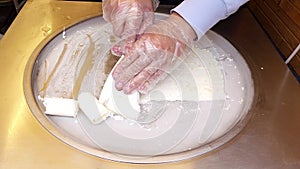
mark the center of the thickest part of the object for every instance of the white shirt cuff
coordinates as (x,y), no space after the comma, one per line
(204,14)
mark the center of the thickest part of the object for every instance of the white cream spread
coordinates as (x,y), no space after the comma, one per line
(200,101)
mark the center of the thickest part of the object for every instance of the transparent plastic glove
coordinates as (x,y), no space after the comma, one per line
(156,53)
(128,17)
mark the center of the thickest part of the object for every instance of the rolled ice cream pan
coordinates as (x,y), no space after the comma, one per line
(201,105)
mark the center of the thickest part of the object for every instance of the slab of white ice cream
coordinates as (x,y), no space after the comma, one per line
(194,80)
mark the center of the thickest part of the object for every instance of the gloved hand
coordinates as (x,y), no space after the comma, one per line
(156,53)
(128,17)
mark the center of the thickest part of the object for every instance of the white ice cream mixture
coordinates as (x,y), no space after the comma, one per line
(200,101)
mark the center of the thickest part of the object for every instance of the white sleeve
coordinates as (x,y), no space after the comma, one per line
(204,14)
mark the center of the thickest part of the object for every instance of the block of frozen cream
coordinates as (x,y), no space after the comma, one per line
(92,108)
(197,78)
(110,102)
(60,106)
(118,102)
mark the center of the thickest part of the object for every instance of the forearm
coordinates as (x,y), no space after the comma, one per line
(191,34)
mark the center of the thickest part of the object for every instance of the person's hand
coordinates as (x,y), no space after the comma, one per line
(128,17)
(155,54)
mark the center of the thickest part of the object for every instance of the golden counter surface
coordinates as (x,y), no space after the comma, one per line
(270,140)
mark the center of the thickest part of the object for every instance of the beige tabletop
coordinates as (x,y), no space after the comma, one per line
(270,140)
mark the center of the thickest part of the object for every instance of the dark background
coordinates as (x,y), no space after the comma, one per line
(7,14)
